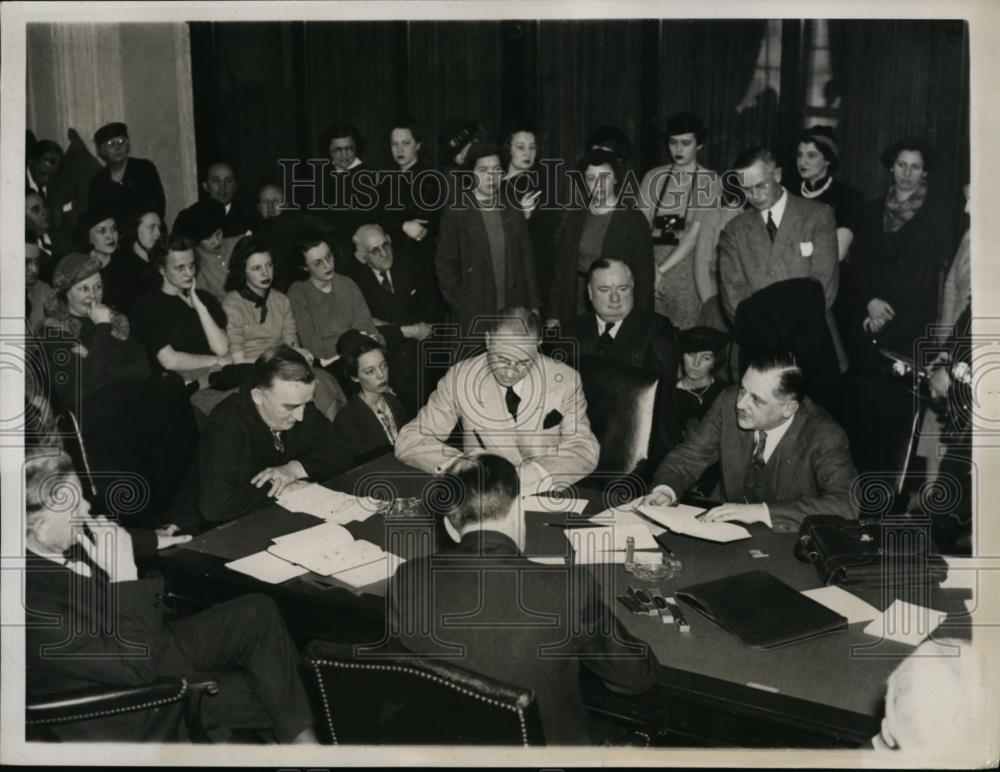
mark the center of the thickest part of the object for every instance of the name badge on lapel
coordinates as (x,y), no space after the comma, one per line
(806,248)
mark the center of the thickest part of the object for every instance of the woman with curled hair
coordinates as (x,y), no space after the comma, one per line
(259,317)
(372,418)
(101,374)
(902,246)
(130,274)
(604,227)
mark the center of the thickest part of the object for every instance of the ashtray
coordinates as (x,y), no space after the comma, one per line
(667,568)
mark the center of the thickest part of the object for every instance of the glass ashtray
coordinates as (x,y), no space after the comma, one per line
(401,508)
(666,568)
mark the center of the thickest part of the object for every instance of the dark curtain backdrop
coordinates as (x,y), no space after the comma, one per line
(265,91)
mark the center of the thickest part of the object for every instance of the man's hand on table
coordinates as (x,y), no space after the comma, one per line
(738,513)
(280,478)
(660,496)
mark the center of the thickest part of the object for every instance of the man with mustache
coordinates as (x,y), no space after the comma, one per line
(781,456)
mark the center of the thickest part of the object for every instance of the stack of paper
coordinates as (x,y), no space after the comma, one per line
(606,544)
(848,605)
(332,506)
(683,519)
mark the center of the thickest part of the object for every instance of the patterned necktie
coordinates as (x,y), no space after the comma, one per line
(386,282)
(605,341)
(758,451)
(279,444)
(512,402)
(771,227)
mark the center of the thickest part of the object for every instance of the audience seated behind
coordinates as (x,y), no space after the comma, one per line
(124,180)
(260,440)
(512,401)
(202,223)
(428,594)
(350,203)
(277,227)
(130,274)
(369,423)
(401,297)
(259,317)
(781,456)
(219,184)
(135,427)
(109,628)
(36,291)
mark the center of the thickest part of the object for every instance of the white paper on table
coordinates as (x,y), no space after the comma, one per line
(966,573)
(844,603)
(905,623)
(606,538)
(547,560)
(326,533)
(620,517)
(333,506)
(328,559)
(267,567)
(683,519)
(553,504)
(369,573)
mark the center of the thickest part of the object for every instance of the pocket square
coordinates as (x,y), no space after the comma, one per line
(553,418)
(806,248)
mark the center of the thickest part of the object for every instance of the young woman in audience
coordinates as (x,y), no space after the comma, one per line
(682,201)
(703,350)
(130,422)
(129,274)
(903,242)
(374,415)
(202,223)
(602,227)
(259,317)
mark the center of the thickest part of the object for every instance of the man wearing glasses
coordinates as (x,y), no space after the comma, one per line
(124,182)
(512,401)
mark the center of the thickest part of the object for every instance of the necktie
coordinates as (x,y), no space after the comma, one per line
(279,444)
(605,341)
(512,402)
(386,282)
(771,227)
(758,451)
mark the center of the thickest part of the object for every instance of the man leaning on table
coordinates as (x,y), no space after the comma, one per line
(512,401)
(782,457)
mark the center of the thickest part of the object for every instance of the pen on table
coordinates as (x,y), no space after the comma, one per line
(577,524)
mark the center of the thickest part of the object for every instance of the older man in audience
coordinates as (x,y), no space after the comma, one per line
(220,185)
(567,628)
(124,180)
(259,441)
(781,456)
(401,298)
(512,401)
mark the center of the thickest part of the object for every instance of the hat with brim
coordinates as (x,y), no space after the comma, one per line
(703,339)
(199,221)
(685,123)
(110,131)
(73,268)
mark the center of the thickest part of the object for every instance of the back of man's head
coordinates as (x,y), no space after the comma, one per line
(791,382)
(280,363)
(481,488)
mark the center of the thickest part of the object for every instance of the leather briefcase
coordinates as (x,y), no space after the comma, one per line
(869,552)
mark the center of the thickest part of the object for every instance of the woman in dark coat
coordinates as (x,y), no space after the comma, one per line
(605,227)
(370,421)
(901,248)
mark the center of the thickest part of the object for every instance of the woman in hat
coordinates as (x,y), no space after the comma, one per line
(129,275)
(102,374)
(124,179)
(699,384)
(373,417)
(259,317)
(599,225)
(816,158)
(903,243)
(202,223)
(682,201)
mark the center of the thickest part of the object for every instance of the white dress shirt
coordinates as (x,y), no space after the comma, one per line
(778,210)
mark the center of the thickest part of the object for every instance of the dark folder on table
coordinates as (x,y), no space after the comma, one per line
(761,610)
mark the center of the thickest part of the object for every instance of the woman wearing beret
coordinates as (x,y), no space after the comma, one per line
(131,423)
(600,225)
(259,317)
(373,417)
(903,243)
(682,201)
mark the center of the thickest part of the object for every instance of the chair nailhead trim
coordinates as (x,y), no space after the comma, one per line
(399,669)
(126,709)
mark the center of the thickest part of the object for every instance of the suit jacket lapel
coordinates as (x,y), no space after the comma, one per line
(760,242)
(788,448)
(784,238)
(481,241)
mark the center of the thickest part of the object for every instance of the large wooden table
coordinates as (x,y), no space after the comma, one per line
(714,690)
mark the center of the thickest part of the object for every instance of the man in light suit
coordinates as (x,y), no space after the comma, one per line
(781,456)
(512,401)
(778,237)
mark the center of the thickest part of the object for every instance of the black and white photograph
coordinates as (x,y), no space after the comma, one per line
(475,384)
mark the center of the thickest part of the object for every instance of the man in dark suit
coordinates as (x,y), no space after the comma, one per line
(778,237)
(220,184)
(401,298)
(484,258)
(484,579)
(781,456)
(124,180)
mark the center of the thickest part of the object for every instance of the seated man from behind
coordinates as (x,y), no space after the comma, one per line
(262,439)
(781,456)
(542,648)
(93,621)
(512,401)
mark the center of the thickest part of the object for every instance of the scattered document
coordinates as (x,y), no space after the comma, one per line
(683,519)
(379,570)
(332,506)
(267,568)
(553,504)
(844,603)
(620,517)
(905,623)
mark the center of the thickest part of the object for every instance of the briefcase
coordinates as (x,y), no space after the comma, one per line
(873,553)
